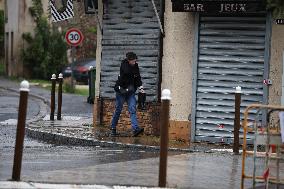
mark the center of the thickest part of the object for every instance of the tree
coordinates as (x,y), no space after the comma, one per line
(46,51)
(276,7)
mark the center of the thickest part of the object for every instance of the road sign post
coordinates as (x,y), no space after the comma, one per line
(74,37)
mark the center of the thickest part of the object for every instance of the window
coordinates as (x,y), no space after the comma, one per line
(7,48)
(91,6)
(12,45)
(6,11)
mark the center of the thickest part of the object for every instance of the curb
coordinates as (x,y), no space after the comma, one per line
(62,139)
(33,185)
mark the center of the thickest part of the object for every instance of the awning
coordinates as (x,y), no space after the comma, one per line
(219,6)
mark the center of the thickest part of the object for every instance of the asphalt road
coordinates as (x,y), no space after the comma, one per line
(9,105)
(39,158)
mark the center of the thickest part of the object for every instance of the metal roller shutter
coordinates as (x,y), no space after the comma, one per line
(130,25)
(230,54)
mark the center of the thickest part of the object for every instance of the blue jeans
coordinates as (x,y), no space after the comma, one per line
(131,102)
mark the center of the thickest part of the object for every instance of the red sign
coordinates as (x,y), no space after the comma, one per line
(74,37)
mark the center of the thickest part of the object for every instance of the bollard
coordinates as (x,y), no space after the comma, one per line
(91,78)
(24,91)
(164,137)
(52,100)
(237,120)
(59,104)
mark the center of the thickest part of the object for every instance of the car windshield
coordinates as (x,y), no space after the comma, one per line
(89,62)
(92,63)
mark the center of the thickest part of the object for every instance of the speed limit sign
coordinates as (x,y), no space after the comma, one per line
(74,37)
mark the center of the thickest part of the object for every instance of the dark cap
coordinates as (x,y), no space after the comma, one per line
(131,56)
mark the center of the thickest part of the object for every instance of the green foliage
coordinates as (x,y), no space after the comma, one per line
(46,51)
(67,87)
(276,7)
(36,10)
(92,30)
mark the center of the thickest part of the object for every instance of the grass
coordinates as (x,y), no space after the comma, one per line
(79,90)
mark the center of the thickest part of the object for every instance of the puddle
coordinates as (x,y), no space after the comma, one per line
(9,122)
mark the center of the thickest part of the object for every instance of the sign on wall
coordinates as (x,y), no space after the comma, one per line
(63,14)
(218,6)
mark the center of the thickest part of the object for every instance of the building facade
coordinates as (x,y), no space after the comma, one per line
(18,21)
(1,4)
(202,58)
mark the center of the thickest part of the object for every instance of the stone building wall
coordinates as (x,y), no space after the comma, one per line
(148,119)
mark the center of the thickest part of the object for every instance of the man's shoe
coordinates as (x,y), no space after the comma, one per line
(138,132)
(113,132)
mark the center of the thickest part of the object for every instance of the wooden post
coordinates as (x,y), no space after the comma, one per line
(52,99)
(236,145)
(20,135)
(59,104)
(164,137)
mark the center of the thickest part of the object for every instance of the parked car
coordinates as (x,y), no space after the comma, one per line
(66,71)
(80,70)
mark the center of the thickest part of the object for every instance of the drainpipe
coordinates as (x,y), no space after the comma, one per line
(161,53)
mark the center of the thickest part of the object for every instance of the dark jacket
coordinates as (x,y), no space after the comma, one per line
(129,75)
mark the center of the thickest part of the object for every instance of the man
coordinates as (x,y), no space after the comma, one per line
(126,85)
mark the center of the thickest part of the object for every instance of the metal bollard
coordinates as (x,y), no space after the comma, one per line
(52,100)
(237,120)
(164,137)
(24,92)
(60,79)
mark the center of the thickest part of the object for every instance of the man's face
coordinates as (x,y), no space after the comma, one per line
(132,62)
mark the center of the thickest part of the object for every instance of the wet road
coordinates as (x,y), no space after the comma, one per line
(39,158)
(9,104)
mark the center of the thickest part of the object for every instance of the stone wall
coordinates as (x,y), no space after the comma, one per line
(150,119)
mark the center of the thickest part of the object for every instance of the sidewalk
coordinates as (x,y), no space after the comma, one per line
(32,185)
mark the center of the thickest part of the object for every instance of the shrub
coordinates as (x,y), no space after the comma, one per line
(46,51)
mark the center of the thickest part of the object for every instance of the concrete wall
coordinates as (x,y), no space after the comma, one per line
(12,29)
(276,64)
(1,4)
(19,21)
(177,61)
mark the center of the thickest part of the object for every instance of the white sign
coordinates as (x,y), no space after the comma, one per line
(61,15)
